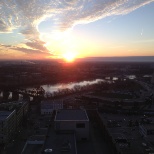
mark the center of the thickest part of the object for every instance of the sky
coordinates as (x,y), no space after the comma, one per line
(51,29)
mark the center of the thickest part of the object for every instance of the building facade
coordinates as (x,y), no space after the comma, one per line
(73,120)
(47,107)
(7,126)
(21,112)
(11,119)
(146,130)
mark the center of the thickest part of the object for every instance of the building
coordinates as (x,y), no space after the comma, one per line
(48,106)
(34,145)
(7,126)
(123,134)
(21,112)
(147,130)
(73,120)
(61,143)
(21,109)
(152,79)
(11,119)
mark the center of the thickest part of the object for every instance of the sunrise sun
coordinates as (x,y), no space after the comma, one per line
(69,56)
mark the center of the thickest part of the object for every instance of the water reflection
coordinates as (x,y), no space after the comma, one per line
(115,78)
(10,95)
(50,89)
(132,77)
(56,87)
(147,76)
(107,78)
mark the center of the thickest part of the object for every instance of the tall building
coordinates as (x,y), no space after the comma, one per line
(11,117)
(7,125)
(21,111)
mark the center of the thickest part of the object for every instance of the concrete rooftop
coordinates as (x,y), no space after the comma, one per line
(72,115)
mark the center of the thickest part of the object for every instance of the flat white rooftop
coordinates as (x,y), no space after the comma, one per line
(71,115)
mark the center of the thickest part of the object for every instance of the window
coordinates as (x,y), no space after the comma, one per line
(80,125)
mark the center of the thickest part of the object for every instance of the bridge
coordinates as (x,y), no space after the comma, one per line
(26,93)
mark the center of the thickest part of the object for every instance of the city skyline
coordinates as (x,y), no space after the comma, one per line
(76,29)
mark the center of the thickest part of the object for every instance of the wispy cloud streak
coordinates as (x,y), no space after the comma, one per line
(27,14)
(17,13)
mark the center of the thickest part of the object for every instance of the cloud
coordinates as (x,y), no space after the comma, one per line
(27,14)
(22,50)
(6,46)
(92,10)
(7,53)
(4,28)
(35,44)
(32,53)
(27,51)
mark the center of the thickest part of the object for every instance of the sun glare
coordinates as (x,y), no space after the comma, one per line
(69,57)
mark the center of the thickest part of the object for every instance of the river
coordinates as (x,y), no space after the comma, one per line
(56,87)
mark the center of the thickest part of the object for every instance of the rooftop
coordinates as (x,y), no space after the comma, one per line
(60,143)
(50,104)
(37,138)
(124,132)
(57,101)
(4,114)
(33,148)
(11,105)
(71,115)
(149,126)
